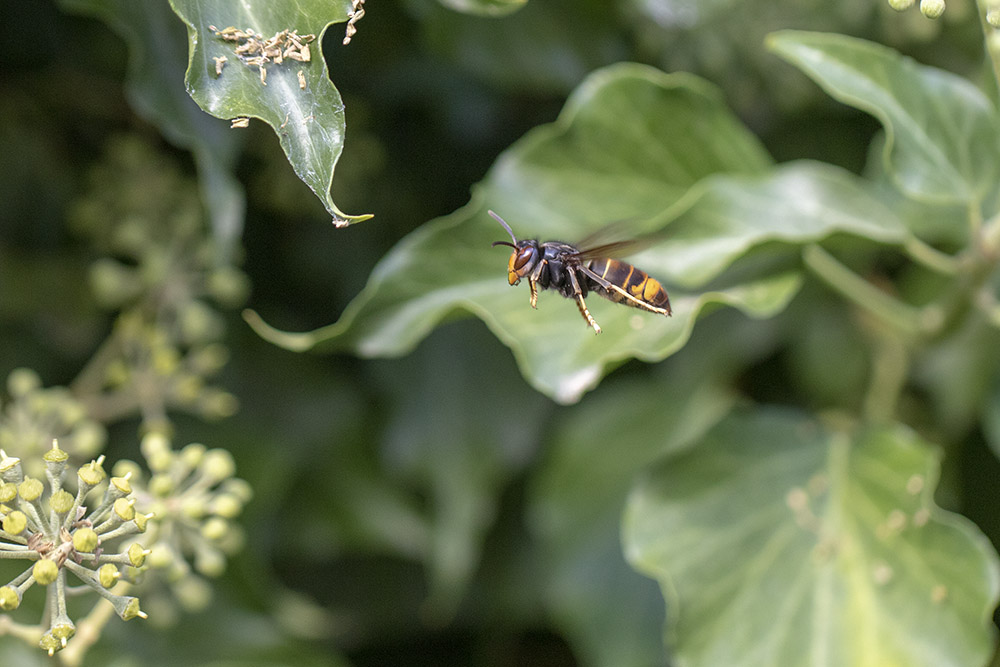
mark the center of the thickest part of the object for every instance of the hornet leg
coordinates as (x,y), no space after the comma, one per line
(578,293)
(533,282)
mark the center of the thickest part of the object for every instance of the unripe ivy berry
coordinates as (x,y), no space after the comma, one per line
(10,599)
(88,438)
(55,455)
(61,502)
(900,5)
(130,609)
(22,381)
(30,489)
(85,540)
(192,454)
(10,467)
(125,509)
(193,593)
(993,16)
(932,9)
(219,465)
(15,522)
(8,491)
(92,474)
(137,555)
(45,571)
(226,505)
(63,631)
(108,575)
(50,643)
(214,529)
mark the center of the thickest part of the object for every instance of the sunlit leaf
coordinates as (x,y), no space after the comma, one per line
(158,57)
(942,133)
(797,202)
(819,546)
(297,98)
(633,144)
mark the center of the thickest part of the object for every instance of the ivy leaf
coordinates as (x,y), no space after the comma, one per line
(611,614)
(942,133)
(309,120)
(459,441)
(631,143)
(812,542)
(797,202)
(485,7)
(157,58)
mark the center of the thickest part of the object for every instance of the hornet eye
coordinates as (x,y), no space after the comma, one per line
(524,255)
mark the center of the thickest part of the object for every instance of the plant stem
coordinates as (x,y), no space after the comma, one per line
(931,257)
(992,46)
(901,317)
(890,366)
(88,631)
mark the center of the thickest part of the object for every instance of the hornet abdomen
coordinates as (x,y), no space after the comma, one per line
(647,291)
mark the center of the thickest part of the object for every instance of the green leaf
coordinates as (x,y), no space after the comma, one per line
(158,56)
(309,121)
(632,143)
(797,202)
(778,542)
(612,615)
(485,7)
(942,133)
(459,441)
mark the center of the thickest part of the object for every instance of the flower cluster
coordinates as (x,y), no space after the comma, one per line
(56,532)
(34,416)
(184,510)
(164,272)
(195,498)
(932,9)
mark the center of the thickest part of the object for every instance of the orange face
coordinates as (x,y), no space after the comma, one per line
(521,262)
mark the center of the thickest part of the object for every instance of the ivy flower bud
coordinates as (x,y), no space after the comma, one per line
(92,474)
(45,571)
(137,555)
(61,502)
(10,598)
(85,540)
(30,489)
(14,523)
(22,381)
(932,9)
(108,575)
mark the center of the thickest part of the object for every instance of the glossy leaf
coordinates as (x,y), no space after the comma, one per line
(797,202)
(777,541)
(942,133)
(612,615)
(155,87)
(632,144)
(309,120)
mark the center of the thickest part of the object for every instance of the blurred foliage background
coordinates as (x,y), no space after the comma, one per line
(391,522)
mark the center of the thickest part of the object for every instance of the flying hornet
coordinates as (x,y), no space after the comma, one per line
(575,271)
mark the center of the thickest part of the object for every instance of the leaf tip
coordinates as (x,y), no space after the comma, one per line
(342,220)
